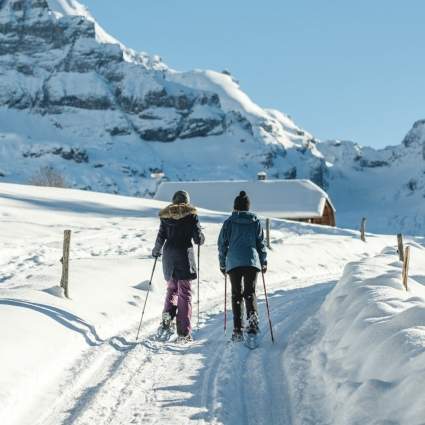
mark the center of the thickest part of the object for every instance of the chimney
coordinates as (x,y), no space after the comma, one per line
(262,176)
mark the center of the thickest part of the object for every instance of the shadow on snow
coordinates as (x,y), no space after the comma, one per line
(72,322)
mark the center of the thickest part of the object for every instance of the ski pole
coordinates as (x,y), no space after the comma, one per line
(199,258)
(225,303)
(268,309)
(146,299)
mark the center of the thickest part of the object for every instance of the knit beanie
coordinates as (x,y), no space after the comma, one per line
(181,197)
(242,202)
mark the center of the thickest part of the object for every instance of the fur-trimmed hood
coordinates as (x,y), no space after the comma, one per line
(177,211)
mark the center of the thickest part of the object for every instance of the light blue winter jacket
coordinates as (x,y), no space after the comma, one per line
(241,242)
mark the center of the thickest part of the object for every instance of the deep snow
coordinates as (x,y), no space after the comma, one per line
(76,362)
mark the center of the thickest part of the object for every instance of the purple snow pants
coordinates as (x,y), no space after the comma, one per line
(178,302)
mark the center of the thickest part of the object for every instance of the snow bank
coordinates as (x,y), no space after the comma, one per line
(361,359)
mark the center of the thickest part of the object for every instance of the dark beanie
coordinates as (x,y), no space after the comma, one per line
(242,202)
(181,197)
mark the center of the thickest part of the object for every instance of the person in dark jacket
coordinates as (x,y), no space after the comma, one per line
(242,254)
(179,226)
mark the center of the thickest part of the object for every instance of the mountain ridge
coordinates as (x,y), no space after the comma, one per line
(107,117)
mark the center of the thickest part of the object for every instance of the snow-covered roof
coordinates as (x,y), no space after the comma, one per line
(271,198)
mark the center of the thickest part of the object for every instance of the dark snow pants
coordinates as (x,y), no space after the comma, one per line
(178,302)
(243,291)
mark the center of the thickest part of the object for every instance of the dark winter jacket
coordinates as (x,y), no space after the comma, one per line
(241,242)
(179,226)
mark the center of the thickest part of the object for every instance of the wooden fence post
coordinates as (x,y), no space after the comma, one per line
(363,229)
(268,226)
(406,267)
(65,262)
(400,246)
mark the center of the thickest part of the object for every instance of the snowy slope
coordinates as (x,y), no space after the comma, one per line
(83,349)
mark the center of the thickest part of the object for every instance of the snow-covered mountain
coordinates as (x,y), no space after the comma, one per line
(386,185)
(73,96)
(107,117)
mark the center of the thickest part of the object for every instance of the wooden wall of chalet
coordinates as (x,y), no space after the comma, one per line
(328,217)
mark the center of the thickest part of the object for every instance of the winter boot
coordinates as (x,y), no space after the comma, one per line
(166,328)
(166,321)
(253,324)
(237,335)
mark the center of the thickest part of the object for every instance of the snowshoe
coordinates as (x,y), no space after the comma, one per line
(166,329)
(250,336)
(184,339)
(251,340)
(253,324)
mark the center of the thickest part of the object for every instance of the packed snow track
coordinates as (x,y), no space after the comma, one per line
(210,381)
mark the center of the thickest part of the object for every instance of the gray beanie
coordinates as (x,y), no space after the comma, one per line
(181,197)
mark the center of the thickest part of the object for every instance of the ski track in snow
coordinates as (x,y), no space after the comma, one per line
(211,381)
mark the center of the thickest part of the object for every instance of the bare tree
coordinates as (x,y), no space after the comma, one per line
(48,176)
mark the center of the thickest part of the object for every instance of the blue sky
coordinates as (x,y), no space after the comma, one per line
(342,69)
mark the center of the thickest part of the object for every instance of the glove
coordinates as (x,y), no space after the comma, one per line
(156,254)
(223,270)
(264,269)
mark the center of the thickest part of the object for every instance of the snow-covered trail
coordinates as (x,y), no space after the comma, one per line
(211,381)
(74,361)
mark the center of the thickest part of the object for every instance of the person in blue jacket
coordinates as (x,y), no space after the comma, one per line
(242,254)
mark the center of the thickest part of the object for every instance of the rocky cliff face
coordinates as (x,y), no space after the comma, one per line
(106,117)
(74,88)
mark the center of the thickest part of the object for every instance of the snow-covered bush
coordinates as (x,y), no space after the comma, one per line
(48,176)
